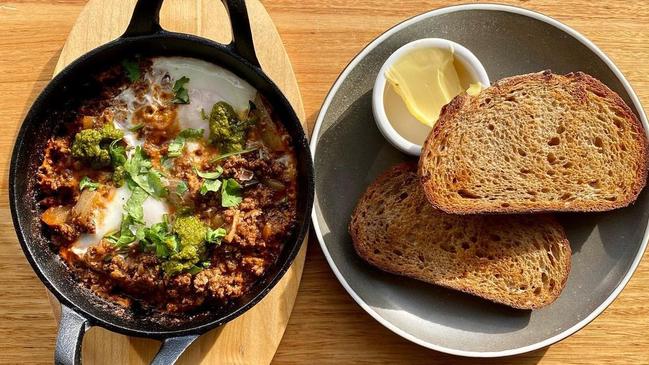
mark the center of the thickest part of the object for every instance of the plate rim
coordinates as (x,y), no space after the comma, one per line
(315,212)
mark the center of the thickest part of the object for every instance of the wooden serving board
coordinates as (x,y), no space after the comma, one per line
(254,337)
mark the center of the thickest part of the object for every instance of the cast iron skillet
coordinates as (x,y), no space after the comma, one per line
(80,309)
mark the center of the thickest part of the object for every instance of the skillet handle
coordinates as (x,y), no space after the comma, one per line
(72,327)
(146,21)
(171,349)
(242,43)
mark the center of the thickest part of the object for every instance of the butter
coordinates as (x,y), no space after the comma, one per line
(426,79)
(474,89)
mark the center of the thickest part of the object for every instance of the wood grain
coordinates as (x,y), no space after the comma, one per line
(237,342)
(320,37)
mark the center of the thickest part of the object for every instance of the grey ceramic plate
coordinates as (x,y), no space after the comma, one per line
(350,152)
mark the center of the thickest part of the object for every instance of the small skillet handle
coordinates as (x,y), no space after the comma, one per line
(72,327)
(171,349)
(146,21)
(242,42)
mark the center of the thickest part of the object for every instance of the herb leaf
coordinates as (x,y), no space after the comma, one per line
(141,174)
(215,235)
(210,185)
(209,175)
(133,206)
(126,236)
(175,147)
(136,127)
(155,182)
(138,163)
(87,183)
(166,162)
(195,270)
(160,239)
(180,92)
(181,188)
(117,153)
(191,133)
(132,69)
(230,193)
(132,218)
(112,237)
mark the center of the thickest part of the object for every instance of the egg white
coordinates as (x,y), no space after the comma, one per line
(106,220)
(208,84)
(109,219)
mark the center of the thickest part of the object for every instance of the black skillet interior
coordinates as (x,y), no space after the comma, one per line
(144,37)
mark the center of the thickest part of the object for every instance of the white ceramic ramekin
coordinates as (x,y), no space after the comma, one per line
(468,60)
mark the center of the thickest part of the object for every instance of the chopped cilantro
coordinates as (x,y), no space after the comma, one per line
(139,171)
(210,175)
(166,162)
(215,235)
(133,206)
(210,185)
(126,235)
(176,146)
(87,183)
(132,219)
(155,182)
(132,69)
(136,127)
(117,153)
(139,233)
(181,188)
(230,193)
(195,270)
(160,239)
(191,133)
(161,250)
(180,92)
(137,168)
(210,182)
(112,237)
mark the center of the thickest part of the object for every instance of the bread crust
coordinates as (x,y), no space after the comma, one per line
(363,245)
(451,110)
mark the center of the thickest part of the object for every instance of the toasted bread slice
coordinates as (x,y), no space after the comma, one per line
(520,261)
(535,143)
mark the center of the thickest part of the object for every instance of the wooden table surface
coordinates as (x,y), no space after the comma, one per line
(320,36)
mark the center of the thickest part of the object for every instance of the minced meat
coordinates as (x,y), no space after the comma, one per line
(246,238)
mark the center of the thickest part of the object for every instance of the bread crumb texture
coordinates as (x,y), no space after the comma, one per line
(537,142)
(520,261)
